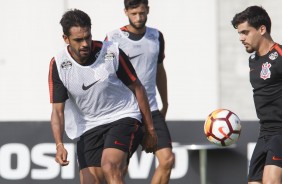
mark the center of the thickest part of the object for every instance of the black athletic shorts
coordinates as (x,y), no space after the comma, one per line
(268,151)
(124,134)
(164,138)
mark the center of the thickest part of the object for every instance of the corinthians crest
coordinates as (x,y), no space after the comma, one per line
(265,71)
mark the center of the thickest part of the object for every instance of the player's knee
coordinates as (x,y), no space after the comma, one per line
(272,180)
(171,160)
(168,161)
(91,180)
(110,168)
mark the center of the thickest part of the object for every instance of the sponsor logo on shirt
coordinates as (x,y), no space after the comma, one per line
(125,33)
(137,46)
(273,56)
(132,57)
(116,36)
(97,54)
(66,65)
(253,56)
(88,86)
(109,57)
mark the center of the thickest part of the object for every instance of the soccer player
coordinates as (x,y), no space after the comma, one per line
(145,49)
(96,96)
(254,26)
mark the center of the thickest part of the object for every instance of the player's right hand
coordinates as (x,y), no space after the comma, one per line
(61,156)
(149,143)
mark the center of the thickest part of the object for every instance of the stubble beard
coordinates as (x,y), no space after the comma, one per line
(141,26)
(251,50)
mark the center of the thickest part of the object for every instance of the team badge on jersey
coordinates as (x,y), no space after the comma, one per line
(109,57)
(126,34)
(265,71)
(116,36)
(273,56)
(66,65)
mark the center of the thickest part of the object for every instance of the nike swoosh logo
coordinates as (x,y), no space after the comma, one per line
(89,86)
(130,58)
(276,158)
(119,143)
(252,69)
(220,129)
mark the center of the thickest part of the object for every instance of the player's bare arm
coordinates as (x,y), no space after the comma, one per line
(162,87)
(57,125)
(150,140)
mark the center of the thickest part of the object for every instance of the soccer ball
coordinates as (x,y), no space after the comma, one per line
(222,127)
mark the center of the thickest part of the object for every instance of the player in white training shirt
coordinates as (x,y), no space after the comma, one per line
(97,97)
(145,49)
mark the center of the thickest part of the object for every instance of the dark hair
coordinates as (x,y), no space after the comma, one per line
(256,16)
(134,3)
(74,18)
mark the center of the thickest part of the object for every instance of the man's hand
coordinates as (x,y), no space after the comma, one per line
(150,140)
(61,156)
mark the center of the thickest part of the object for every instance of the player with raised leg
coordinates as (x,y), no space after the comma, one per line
(97,97)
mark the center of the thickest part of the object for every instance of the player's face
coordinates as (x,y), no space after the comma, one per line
(250,36)
(79,41)
(137,16)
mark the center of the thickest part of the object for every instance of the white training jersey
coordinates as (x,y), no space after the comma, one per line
(96,95)
(143,54)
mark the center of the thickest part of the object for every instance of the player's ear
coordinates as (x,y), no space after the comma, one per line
(262,29)
(125,12)
(148,9)
(66,39)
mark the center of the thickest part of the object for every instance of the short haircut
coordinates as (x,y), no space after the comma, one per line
(74,18)
(256,16)
(134,3)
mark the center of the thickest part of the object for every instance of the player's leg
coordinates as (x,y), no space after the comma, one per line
(272,173)
(91,175)
(89,152)
(254,182)
(257,162)
(166,160)
(121,141)
(114,164)
(164,152)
